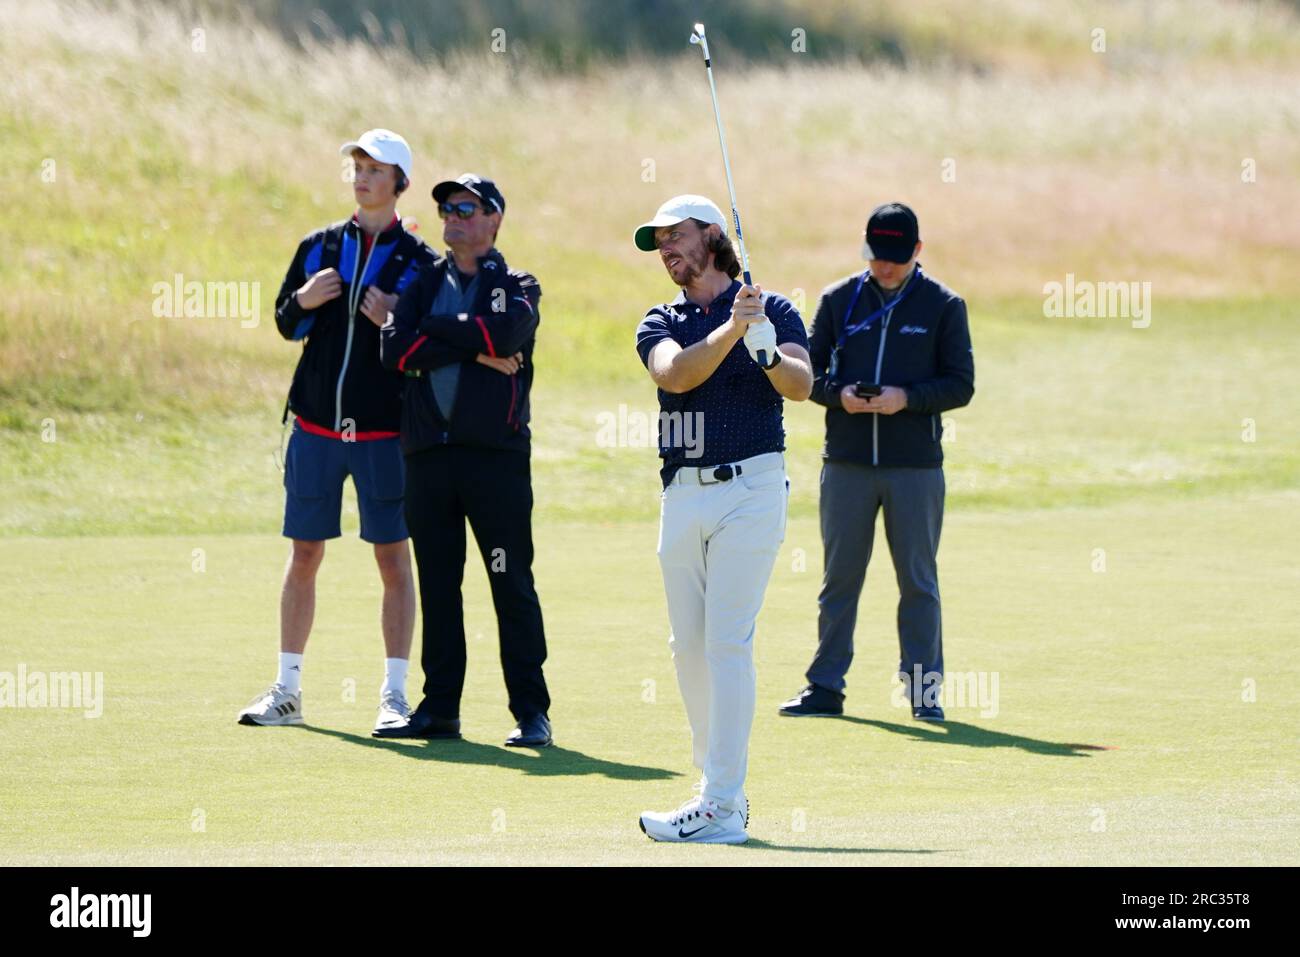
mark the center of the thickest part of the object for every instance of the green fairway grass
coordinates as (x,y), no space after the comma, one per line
(1121,735)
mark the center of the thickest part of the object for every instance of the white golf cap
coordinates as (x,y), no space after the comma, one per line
(676,210)
(384,146)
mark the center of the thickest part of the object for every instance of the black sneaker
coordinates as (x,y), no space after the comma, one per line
(814,702)
(928,714)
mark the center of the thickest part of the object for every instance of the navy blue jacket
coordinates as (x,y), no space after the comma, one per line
(491,408)
(339,378)
(922,345)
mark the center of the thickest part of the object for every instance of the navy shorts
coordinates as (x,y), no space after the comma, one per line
(314,469)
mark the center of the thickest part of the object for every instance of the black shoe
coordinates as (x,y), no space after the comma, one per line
(928,714)
(533,732)
(814,702)
(422,725)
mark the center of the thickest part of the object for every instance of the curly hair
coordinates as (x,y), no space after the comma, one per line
(724,254)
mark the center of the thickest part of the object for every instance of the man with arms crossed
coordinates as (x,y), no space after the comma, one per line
(724,499)
(467,442)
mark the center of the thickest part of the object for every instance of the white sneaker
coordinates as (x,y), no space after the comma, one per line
(394,712)
(699,822)
(274,706)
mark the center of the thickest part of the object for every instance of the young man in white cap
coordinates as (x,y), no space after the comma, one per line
(725,493)
(340,287)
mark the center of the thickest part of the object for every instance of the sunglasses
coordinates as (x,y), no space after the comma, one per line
(464,209)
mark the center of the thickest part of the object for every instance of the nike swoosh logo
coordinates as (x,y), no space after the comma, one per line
(685,834)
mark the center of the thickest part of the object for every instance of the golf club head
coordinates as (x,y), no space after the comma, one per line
(698,37)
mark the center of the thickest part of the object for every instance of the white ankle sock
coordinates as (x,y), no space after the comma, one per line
(394,676)
(290,672)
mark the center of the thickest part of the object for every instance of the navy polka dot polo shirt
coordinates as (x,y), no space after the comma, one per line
(736,412)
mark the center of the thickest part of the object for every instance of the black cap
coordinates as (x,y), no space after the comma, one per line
(484,189)
(892,233)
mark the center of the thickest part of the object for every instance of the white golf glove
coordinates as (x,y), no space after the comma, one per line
(761,336)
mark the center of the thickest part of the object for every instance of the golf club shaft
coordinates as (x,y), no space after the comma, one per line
(726,166)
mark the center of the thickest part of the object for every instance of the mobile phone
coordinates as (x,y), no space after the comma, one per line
(864,390)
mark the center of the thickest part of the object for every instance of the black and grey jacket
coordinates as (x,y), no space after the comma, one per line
(491,408)
(922,345)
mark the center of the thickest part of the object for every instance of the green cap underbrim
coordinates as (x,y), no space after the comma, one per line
(645,238)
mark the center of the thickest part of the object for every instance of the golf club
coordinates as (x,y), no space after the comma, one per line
(698,36)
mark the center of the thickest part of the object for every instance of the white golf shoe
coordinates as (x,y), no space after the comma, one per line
(394,712)
(699,822)
(274,706)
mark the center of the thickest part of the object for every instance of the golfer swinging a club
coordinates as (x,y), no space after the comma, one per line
(724,499)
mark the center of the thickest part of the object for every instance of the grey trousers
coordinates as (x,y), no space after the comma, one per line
(912,500)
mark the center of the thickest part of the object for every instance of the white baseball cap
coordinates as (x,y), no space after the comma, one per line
(677,210)
(384,146)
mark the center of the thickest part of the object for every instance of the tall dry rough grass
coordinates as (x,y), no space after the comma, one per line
(211,162)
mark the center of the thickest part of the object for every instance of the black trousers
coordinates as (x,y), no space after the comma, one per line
(445,486)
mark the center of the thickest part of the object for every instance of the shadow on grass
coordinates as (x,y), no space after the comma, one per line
(804,849)
(972,736)
(546,762)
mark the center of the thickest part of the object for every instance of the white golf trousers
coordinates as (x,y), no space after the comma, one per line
(717,546)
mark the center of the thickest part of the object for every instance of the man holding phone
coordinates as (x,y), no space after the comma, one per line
(891,352)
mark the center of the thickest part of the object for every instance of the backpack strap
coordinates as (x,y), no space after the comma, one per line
(331,244)
(399,259)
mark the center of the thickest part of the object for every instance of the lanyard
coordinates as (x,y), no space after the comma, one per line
(861,326)
(864,324)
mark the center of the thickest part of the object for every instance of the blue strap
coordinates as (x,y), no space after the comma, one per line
(852,330)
